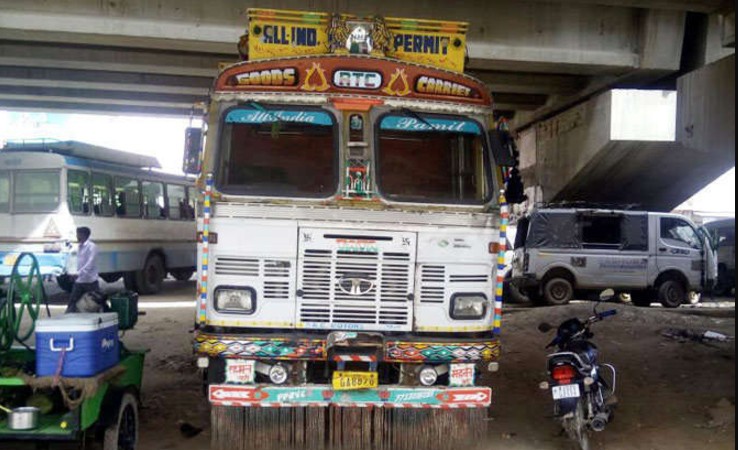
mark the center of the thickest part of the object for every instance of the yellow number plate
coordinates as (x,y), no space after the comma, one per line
(343,381)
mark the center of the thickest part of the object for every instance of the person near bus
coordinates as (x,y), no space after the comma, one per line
(86,280)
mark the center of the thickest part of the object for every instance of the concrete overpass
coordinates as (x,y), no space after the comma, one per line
(540,59)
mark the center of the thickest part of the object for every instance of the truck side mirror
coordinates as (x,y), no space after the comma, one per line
(502,151)
(192,150)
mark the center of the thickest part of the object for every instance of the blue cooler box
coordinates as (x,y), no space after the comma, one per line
(83,344)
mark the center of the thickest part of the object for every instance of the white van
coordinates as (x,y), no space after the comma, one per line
(560,253)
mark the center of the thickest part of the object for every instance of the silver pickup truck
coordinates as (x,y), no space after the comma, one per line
(563,253)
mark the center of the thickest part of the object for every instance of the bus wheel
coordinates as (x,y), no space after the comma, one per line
(182,274)
(149,279)
(65,283)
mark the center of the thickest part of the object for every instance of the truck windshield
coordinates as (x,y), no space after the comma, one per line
(432,159)
(273,151)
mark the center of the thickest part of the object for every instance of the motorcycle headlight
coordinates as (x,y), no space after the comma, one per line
(241,300)
(468,306)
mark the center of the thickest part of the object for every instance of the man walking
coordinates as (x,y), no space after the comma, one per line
(86,280)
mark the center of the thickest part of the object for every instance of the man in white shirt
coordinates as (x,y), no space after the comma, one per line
(86,280)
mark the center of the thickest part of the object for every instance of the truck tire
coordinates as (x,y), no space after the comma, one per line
(511,293)
(149,279)
(558,291)
(672,293)
(123,433)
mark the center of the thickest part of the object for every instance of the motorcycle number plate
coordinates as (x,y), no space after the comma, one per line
(565,391)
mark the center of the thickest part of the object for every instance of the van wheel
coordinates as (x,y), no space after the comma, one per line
(123,434)
(181,274)
(558,291)
(672,294)
(642,298)
(149,279)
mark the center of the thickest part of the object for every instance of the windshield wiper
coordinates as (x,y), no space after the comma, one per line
(413,114)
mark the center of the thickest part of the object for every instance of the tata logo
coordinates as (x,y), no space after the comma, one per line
(355,286)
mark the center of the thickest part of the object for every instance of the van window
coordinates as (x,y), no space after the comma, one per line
(601,231)
(4,191)
(553,230)
(127,197)
(102,195)
(678,233)
(78,192)
(522,234)
(153,199)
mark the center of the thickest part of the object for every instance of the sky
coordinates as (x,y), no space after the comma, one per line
(164,138)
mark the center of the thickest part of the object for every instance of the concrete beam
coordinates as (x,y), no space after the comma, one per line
(109,59)
(70,106)
(531,83)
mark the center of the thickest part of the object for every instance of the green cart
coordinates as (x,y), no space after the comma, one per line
(103,408)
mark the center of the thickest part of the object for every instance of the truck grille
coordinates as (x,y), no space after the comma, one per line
(355,281)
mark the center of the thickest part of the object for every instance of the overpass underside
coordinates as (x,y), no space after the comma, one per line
(645,149)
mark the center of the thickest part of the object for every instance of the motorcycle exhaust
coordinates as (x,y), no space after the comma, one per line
(599,421)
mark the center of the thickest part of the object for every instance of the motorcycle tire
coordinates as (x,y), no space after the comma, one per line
(576,426)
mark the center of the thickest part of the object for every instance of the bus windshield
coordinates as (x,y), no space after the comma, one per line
(278,152)
(35,191)
(432,159)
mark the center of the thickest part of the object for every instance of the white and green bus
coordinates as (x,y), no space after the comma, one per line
(142,220)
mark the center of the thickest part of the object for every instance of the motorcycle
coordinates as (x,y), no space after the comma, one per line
(583,397)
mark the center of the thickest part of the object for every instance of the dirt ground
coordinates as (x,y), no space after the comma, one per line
(672,395)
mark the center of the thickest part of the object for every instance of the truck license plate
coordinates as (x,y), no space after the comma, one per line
(565,391)
(343,381)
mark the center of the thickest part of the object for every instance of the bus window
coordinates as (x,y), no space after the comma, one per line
(4,191)
(153,199)
(102,199)
(127,197)
(78,191)
(190,204)
(36,191)
(177,199)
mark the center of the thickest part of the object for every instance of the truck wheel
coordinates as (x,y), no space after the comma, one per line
(65,283)
(149,279)
(641,298)
(672,294)
(182,274)
(123,434)
(558,291)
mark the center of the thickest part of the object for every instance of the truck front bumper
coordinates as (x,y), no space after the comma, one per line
(315,395)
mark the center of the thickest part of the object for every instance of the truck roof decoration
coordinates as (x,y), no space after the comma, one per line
(281,33)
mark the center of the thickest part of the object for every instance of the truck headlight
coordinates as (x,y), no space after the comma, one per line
(231,299)
(468,306)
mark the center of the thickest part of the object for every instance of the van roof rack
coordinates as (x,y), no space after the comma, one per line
(587,205)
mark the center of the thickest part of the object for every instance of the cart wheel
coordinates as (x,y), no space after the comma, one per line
(123,434)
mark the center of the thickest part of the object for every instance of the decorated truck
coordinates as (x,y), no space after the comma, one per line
(349,233)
